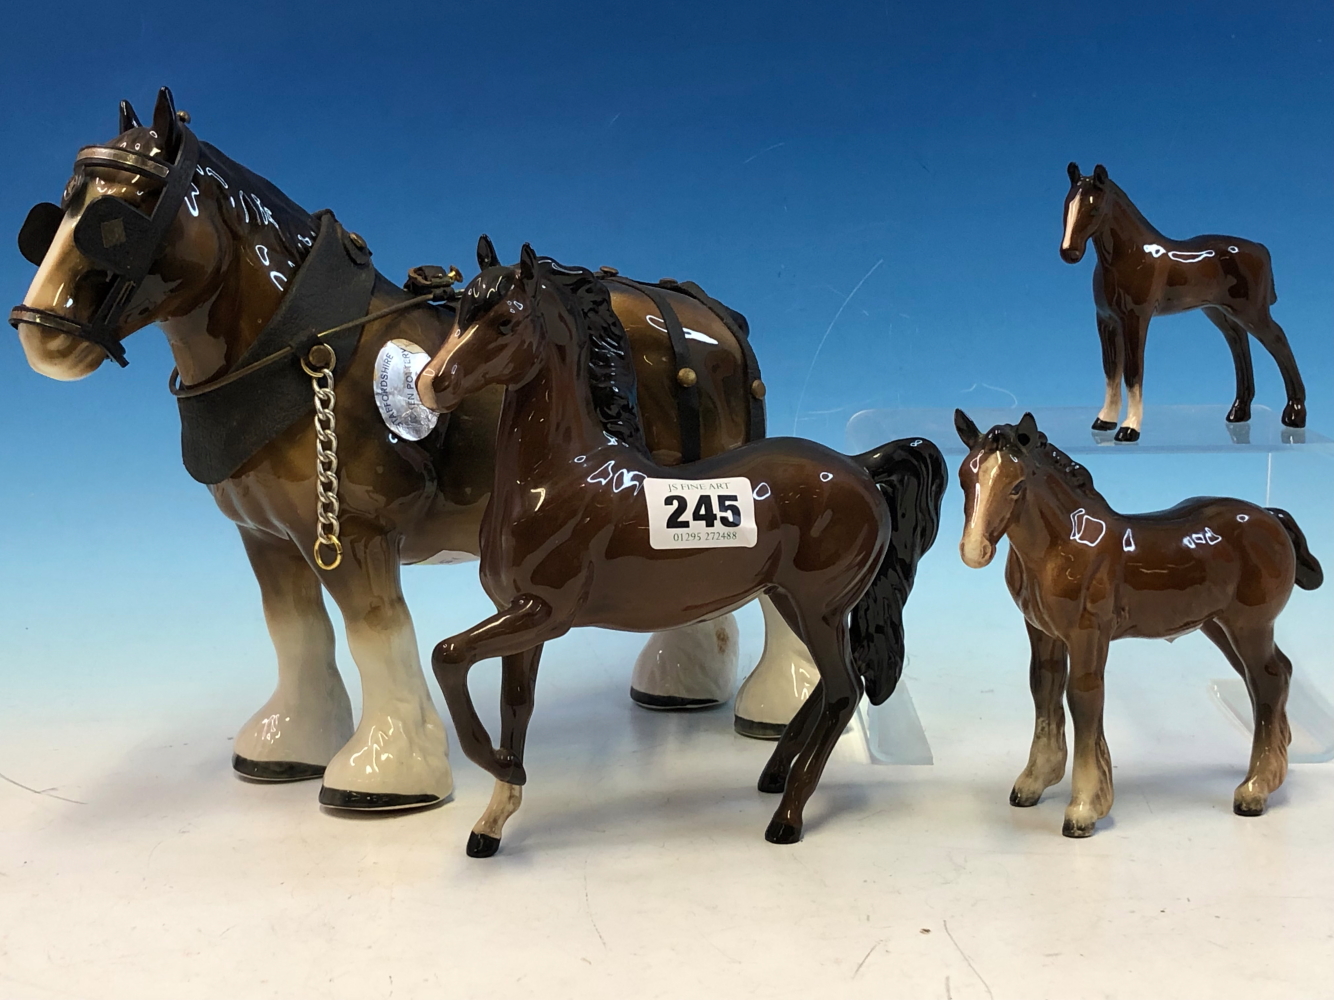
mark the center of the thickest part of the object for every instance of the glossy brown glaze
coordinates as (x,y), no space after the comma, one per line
(1084,575)
(566,541)
(216,282)
(1141,274)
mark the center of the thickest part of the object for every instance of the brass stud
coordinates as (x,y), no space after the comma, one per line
(611,272)
(668,281)
(757,389)
(183,117)
(356,240)
(687,377)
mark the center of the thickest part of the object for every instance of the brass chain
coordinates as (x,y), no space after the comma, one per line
(319,365)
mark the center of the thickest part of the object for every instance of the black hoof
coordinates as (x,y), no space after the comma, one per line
(1127,434)
(1078,832)
(1017,800)
(1242,810)
(1103,425)
(771,782)
(1240,413)
(782,833)
(275,770)
(1294,414)
(670,702)
(758,730)
(482,846)
(337,798)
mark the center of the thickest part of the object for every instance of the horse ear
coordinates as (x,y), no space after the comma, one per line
(1026,431)
(1100,175)
(486,253)
(968,432)
(527,264)
(128,119)
(1073,171)
(166,122)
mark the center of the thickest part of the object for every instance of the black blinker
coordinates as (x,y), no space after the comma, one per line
(39,231)
(115,235)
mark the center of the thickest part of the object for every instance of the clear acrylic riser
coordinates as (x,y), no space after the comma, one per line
(1183,451)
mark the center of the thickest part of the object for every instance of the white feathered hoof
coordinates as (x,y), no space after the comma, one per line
(392,762)
(780,682)
(687,668)
(292,738)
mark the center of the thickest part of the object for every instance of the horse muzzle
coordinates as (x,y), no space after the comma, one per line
(1072,255)
(976,552)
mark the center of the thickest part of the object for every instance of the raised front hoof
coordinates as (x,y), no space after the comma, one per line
(771,782)
(1026,798)
(1103,425)
(779,832)
(482,846)
(1078,828)
(1127,434)
(758,730)
(1240,413)
(1294,414)
(671,702)
(275,770)
(338,798)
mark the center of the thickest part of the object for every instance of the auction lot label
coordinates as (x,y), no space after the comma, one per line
(700,513)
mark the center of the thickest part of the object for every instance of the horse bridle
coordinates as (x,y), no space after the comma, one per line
(114,235)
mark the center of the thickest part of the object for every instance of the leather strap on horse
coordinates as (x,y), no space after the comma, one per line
(226,421)
(687,395)
(736,323)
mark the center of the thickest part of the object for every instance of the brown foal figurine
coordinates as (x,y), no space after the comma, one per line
(1141,274)
(585,528)
(1084,575)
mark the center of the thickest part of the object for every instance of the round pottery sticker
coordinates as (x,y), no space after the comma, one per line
(396,371)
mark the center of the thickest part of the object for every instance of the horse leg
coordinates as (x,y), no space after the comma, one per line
(1239,343)
(518,679)
(828,643)
(398,758)
(687,668)
(1091,777)
(1134,330)
(1047,669)
(781,682)
(1113,364)
(797,732)
(516,634)
(308,717)
(1268,672)
(1275,341)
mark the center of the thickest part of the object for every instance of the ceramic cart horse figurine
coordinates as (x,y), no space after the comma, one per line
(1141,274)
(1084,575)
(585,528)
(158,227)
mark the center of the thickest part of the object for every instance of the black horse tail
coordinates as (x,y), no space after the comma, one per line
(911,475)
(1309,574)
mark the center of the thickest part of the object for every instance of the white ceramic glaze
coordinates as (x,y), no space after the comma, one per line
(780,682)
(696,664)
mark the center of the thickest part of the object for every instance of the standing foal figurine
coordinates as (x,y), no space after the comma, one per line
(1084,575)
(1142,274)
(584,528)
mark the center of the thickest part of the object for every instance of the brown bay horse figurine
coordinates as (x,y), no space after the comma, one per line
(1141,274)
(1084,575)
(585,528)
(158,227)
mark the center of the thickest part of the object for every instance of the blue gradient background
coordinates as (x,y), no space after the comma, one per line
(778,154)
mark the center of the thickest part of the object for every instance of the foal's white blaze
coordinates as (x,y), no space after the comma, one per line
(1071,216)
(58,355)
(975,549)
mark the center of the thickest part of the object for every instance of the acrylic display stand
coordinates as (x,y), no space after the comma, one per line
(1269,463)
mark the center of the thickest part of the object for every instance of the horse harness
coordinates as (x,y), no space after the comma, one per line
(687,379)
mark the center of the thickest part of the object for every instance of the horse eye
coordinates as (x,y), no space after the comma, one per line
(1017,488)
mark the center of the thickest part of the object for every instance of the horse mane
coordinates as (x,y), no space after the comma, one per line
(611,372)
(1004,437)
(249,194)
